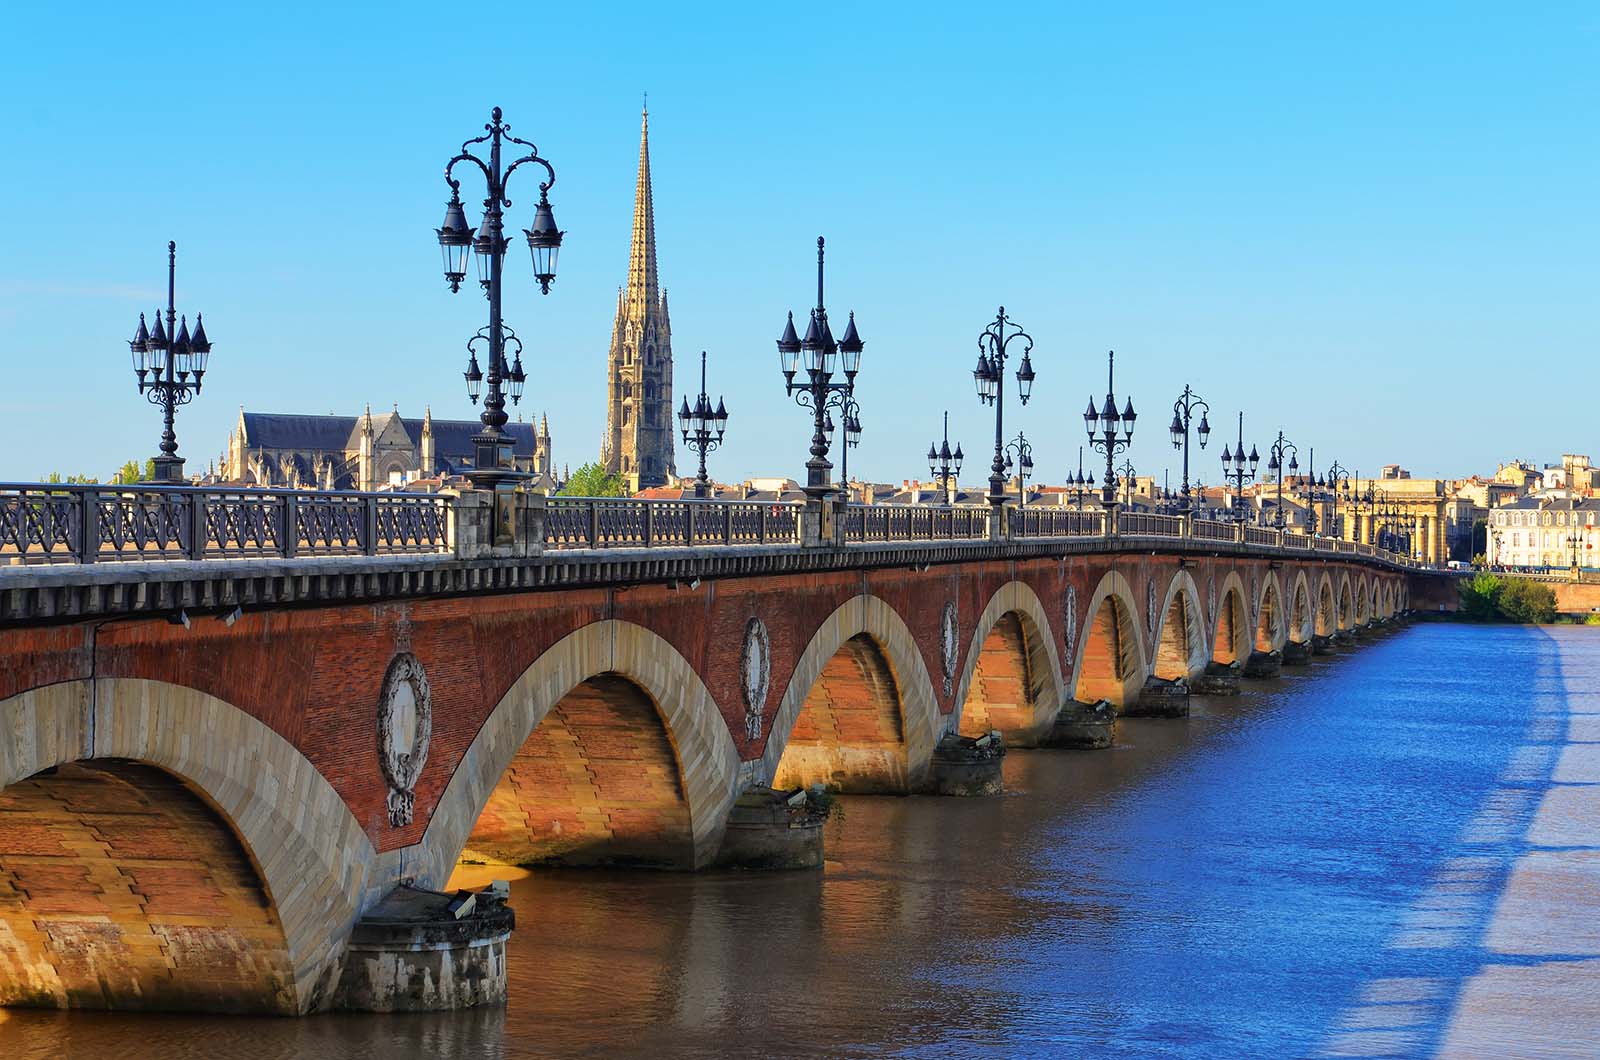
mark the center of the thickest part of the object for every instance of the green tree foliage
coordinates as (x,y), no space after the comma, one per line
(1491,598)
(1528,601)
(55,478)
(133,471)
(591,480)
(1480,597)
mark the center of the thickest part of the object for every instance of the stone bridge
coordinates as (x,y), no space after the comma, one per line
(230,735)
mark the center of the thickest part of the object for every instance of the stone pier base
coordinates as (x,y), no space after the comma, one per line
(1160,699)
(963,765)
(1082,726)
(1343,640)
(1219,679)
(423,951)
(1321,645)
(1296,653)
(1263,664)
(773,830)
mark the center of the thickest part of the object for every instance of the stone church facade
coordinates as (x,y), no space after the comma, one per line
(371,451)
(638,443)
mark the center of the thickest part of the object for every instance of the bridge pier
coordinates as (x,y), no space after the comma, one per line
(424,951)
(1321,645)
(1160,698)
(1296,653)
(964,765)
(1219,679)
(1082,726)
(1262,664)
(770,829)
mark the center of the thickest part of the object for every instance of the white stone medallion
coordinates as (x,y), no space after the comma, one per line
(1211,597)
(1069,618)
(949,632)
(755,675)
(405,725)
(1150,606)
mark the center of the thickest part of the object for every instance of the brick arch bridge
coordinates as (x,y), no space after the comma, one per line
(195,809)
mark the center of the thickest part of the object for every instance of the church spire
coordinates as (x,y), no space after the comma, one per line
(642,261)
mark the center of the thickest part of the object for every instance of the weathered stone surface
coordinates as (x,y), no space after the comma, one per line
(1263,664)
(1087,726)
(1219,679)
(966,765)
(1160,699)
(1296,653)
(773,830)
(1321,645)
(423,951)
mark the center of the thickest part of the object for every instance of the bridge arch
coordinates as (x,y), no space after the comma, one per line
(1111,657)
(230,808)
(1327,610)
(610,716)
(1230,638)
(1302,622)
(1271,621)
(1388,599)
(1011,680)
(1363,601)
(1347,603)
(865,659)
(1180,644)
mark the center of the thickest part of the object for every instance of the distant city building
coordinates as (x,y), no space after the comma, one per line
(1545,532)
(638,444)
(367,452)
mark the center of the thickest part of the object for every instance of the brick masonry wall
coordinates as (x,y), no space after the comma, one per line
(1001,692)
(120,888)
(849,734)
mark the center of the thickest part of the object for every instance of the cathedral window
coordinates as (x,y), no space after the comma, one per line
(650,354)
(627,390)
(627,416)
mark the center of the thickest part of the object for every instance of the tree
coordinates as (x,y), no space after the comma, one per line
(1480,597)
(133,471)
(1528,601)
(591,480)
(54,478)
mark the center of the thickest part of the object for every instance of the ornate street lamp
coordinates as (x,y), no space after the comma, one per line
(989,377)
(492,446)
(1080,485)
(1237,469)
(1182,414)
(170,364)
(1338,479)
(1126,475)
(1275,454)
(703,428)
(944,465)
(850,413)
(818,392)
(1024,465)
(1110,432)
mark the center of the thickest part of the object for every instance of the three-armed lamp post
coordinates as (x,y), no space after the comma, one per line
(703,428)
(944,465)
(1234,470)
(492,446)
(994,348)
(818,391)
(1110,432)
(1024,465)
(1275,454)
(1080,484)
(170,363)
(1182,415)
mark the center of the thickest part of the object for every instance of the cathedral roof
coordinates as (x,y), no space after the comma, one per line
(452,439)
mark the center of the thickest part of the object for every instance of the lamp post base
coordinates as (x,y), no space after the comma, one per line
(493,463)
(168,469)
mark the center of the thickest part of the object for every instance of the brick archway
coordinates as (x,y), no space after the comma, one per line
(1347,606)
(1327,616)
(1230,626)
(1302,623)
(1011,679)
(891,641)
(1111,653)
(1271,627)
(313,859)
(703,748)
(1181,649)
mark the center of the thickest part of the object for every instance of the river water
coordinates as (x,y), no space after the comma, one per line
(1242,883)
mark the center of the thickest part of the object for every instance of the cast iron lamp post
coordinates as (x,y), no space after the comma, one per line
(1336,477)
(1024,465)
(989,377)
(1275,453)
(492,446)
(1182,414)
(1079,484)
(170,363)
(1235,471)
(702,428)
(1126,473)
(1108,440)
(944,465)
(819,392)
(850,413)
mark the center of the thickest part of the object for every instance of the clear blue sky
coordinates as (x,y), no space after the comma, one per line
(1373,225)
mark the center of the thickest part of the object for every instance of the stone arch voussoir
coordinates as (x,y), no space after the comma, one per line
(1183,591)
(1115,591)
(1043,662)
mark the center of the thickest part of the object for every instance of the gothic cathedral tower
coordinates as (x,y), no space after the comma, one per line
(638,443)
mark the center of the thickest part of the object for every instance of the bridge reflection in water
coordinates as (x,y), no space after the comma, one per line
(354,723)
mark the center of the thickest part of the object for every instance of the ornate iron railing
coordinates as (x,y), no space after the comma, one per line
(52,523)
(914,522)
(605,522)
(1212,530)
(1044,521)
(1260,535)
(1150,524)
